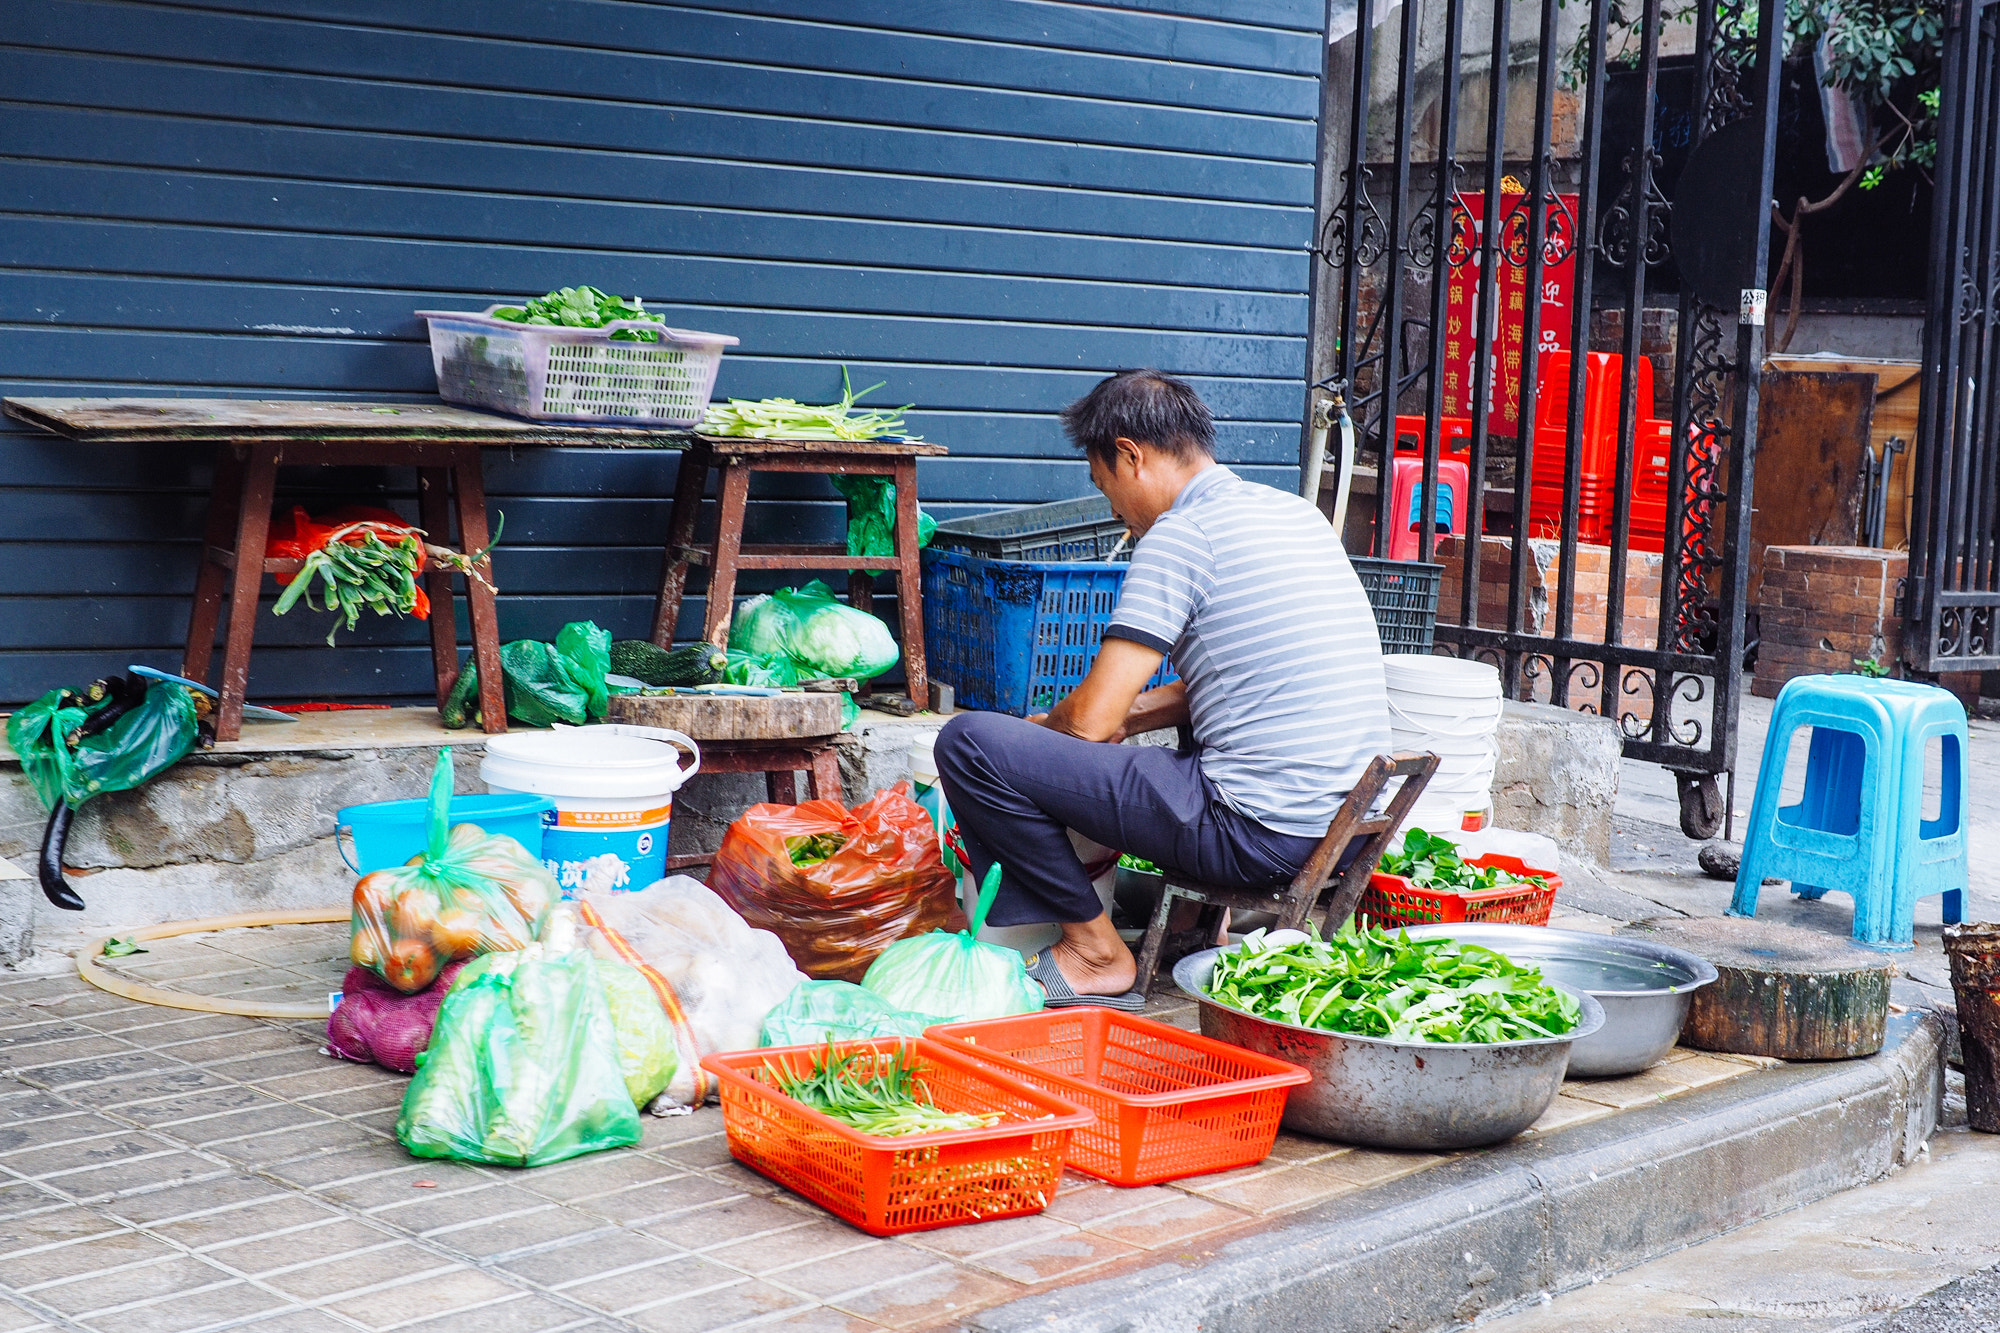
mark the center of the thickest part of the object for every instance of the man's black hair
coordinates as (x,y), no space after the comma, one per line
(1145,406)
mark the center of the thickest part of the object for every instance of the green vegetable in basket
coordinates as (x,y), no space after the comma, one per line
(584,308)
(875,1095)
(1137,864)
(1374,984)
(1432,862)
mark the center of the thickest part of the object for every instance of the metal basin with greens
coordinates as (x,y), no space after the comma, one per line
(1644,986)
(1388,1093)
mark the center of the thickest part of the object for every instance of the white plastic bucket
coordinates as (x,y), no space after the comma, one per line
(614,792)
(1450,707)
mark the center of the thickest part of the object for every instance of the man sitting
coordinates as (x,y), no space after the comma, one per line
(1247,589)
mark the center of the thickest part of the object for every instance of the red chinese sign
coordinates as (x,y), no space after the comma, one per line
(1461,338)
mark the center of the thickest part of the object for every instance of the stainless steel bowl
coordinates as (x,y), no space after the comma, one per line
(1644,987)
(1398,1094)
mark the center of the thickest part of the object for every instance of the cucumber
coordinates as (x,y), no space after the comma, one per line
(464,696)
(691,664)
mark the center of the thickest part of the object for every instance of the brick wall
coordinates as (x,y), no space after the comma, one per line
(1543,572)
(1822,607)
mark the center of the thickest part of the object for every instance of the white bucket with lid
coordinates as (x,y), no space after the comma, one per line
(1450,707)
(614,792)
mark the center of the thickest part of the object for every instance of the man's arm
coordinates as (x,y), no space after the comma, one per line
(1108,705)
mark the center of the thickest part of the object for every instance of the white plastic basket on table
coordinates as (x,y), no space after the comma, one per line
(551,373)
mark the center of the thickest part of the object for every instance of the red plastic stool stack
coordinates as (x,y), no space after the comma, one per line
(1454,483)
(1603,373)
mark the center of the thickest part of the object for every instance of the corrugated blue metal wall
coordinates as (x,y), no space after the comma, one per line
(987,203)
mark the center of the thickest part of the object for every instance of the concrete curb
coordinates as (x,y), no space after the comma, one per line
(1496,1230)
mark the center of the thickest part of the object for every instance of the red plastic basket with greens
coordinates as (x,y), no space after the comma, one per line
(1427,881)
(888,1184)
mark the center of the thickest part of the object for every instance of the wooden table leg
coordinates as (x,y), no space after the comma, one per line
(469,491)
(824,776)
(735,500)
(861,596)
(434,513)
(246,581)
(910,584)
(225,501)
(689,483)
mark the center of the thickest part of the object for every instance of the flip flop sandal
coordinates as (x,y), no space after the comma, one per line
(1061,995)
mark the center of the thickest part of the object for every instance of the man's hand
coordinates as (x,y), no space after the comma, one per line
(1155,710)
(1104,706)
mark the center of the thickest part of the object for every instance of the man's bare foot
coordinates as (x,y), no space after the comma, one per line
(1093,960)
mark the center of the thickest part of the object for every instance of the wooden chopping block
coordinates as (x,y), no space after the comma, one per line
(733,717)
(1780,991)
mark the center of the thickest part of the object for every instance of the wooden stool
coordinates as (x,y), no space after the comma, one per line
(779,736)
(1296,901)
(737,459)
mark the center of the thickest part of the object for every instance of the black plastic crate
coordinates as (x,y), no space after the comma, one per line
(1404,594)
(1064,530)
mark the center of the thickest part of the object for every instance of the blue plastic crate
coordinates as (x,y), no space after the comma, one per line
(1014,636)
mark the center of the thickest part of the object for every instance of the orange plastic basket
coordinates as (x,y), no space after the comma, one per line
(1391,900)
(1169,1103)
(914,1182)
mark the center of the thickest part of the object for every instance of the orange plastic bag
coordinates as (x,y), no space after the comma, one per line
(882,881)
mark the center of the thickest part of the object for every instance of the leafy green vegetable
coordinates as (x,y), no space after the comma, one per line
(788,419)
(1375,984)
(1131,862)
(1432,862)
(815,849)
(892,1100)
(117,947)
(584,308)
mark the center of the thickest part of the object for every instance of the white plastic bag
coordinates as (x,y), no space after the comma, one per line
(721,975)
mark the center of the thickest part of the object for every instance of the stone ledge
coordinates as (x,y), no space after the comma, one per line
(1542,1215)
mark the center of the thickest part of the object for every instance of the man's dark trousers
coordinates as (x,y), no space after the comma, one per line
(1016,788)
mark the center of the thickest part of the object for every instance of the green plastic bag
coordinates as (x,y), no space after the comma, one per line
(871,516)
(817,1012)
(544,683)
(956,977)
(523,1066)
(647,1051)
(821,636)
(144,741)
(559,682)
(760,669)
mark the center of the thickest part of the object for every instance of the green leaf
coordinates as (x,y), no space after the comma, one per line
(116,947)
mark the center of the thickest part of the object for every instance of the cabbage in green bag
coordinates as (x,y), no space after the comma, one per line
(956,976)
(523,1066)
(647,1052)
(817,1012)
(819,634)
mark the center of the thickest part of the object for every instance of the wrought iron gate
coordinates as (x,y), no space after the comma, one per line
(1420,280)
(1953,592)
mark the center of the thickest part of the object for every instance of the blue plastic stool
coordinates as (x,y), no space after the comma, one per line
(1859,828)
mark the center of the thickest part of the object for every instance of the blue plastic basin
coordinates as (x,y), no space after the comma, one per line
(389,833)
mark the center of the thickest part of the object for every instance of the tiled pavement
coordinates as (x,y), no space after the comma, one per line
(163,1171)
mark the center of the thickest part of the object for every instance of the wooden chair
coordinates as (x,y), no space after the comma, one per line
(1296,901)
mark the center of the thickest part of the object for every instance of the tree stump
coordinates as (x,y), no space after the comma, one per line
(1974,951)
(1780,991)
